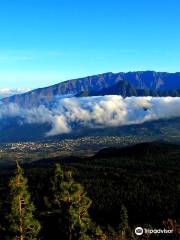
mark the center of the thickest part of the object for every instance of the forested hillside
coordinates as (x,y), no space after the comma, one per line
(122,188)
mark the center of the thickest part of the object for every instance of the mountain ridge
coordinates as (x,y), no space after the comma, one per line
(125,89)
(141,80)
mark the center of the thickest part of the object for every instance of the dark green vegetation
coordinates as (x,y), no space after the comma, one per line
(144,82)
(21,222)
(72,202)
(138,184)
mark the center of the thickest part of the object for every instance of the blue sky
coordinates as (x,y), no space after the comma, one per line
(43,42)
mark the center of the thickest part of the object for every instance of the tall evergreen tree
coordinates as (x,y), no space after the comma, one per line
(22,226)
(71,198)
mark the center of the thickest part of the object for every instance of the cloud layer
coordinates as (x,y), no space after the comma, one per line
(6,92)
(66,114)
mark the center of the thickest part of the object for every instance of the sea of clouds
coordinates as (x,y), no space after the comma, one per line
(65,114)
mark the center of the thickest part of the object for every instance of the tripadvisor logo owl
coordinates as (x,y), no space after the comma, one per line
(139,231)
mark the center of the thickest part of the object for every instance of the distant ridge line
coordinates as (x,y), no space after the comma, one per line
(143,80)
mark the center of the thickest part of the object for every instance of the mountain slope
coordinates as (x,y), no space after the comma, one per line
(38,96)
(148,80)
(138,150)
(125,89)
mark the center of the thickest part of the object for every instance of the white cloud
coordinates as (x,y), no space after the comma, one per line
(92,112)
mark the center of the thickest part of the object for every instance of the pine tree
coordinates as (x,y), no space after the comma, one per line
(23,226)
(123,226)
(71,198)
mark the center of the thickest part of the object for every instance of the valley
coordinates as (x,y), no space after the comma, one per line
(84,146)
(89,141)
(115,136)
